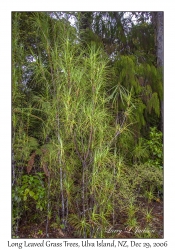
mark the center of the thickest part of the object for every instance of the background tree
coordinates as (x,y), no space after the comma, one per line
(158,23)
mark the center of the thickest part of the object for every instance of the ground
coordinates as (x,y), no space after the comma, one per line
(155,226)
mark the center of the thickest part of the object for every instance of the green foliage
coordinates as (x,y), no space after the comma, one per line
(142,178)
(149,195)
(140,152)
(155,146)
(29,197)
(151,82)
(131,212)
(81,225)
(148,215)
(141,40)
(31,190)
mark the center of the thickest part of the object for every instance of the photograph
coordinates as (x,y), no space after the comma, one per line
(87,126)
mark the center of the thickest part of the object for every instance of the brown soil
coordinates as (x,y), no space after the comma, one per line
(145,229)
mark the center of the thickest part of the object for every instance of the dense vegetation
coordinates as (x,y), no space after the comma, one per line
(86,122)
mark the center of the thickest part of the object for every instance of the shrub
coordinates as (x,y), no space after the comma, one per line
(155,148)
(29,195)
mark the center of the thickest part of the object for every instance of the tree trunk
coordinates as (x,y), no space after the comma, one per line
(158,22)
(160,39)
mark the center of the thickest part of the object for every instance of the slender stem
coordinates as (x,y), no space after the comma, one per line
(13,169)
(48,206)
(89,143)
(113,214)
(83,189)
(76,147)
(67,211)
(83,195)
(61,171)
(62,194)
